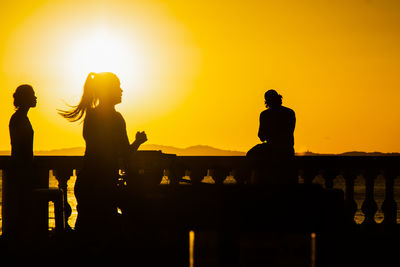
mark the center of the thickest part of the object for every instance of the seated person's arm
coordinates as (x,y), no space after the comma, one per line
(262,130)
(293,121)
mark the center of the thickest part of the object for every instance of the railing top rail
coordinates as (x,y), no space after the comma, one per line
(302,161)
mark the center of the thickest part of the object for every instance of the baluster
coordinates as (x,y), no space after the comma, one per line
(41,216)
(320,179)
(166,181)
(389,206)
(300,176)
(168,164)
(308,175)
(349,201)
(329,175)
(242,173)
(63,175)
(369,206)
(175,174)
(230,179)
(256,170)
(42,179)
(197,174)
(219,174)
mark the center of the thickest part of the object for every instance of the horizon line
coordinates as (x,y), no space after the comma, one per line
(205,148)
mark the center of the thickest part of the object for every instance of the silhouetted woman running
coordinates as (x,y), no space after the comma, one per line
(107,143)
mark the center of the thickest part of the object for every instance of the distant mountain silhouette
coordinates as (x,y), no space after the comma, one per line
(351,153)
(358,153)
(199,150)
(73,151)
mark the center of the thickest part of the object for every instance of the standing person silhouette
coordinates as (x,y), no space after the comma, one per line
(20,179)
(276,130)
(107,144)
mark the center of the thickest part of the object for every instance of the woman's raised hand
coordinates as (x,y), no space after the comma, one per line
(141,137)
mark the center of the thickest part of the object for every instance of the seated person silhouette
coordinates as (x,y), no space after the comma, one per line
(107,144)
(274,158)
(19,180)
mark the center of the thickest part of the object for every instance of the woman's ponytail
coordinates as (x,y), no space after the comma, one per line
(88,100)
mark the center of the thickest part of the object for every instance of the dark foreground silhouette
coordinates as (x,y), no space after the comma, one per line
(274,158)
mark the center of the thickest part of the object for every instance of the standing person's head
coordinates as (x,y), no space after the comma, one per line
(24,97)
(272,99)
(100,88)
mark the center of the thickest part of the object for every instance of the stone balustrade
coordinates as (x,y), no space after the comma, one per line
(170,170)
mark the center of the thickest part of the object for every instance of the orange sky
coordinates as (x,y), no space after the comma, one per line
(194,72)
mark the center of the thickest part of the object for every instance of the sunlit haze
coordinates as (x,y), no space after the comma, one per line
(195,72)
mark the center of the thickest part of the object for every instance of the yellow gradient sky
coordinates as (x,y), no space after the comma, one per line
(194,72)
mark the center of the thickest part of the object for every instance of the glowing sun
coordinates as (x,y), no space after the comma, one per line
(103,50)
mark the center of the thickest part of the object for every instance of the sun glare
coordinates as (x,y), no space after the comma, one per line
(103,50)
